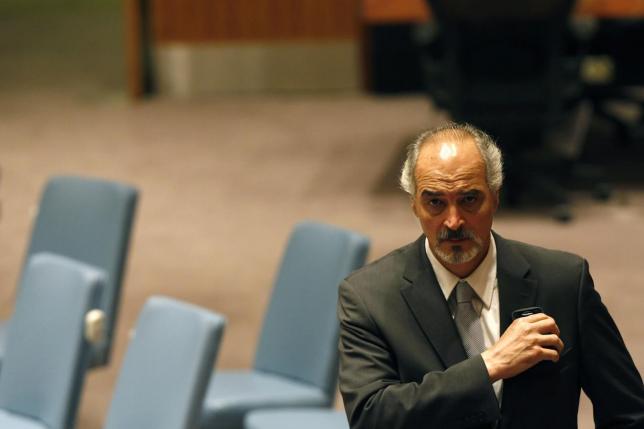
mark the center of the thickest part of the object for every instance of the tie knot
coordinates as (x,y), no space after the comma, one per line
(464,292)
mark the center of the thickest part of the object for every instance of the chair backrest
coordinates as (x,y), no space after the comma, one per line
(88,220)
(299,335)
(167,366)
(46,350)
(503,65)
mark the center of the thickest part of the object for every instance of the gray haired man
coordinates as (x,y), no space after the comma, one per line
(427,336)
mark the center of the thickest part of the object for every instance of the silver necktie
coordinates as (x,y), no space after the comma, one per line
(467,319)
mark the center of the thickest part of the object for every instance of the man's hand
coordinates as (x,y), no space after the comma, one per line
(527,341)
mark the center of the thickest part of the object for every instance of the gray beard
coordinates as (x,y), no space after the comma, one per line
(457,255)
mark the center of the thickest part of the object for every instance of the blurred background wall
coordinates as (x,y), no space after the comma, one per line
(258,45)
(62,44)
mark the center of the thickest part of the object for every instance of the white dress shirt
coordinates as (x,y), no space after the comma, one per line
(483,281)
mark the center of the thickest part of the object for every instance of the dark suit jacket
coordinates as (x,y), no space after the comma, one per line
(402,363)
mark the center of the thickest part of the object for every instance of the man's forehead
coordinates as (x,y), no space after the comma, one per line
(431,192)
(451,166)
(430,189)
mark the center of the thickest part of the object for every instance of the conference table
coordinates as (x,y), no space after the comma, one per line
(388,11)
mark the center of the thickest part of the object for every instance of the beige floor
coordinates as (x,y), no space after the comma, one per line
(223,181)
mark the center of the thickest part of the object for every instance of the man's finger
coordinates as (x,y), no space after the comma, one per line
(547,326)
(551,341)
(550,354)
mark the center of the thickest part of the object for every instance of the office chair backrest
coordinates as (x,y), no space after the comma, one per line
(167,367)
(504,67)
(46,351)
(503,39)
(88,220)
(300,331)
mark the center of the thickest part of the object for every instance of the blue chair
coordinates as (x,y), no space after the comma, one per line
(297,355)
(88,220)
(46,350)
(166,368)
(294,418)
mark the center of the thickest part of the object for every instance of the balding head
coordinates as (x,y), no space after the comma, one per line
(456,133)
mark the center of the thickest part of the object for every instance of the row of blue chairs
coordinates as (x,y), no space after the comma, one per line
(88,220)
(47,351)
(82,232)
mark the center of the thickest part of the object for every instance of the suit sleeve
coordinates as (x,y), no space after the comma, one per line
(376,397)
(608,375)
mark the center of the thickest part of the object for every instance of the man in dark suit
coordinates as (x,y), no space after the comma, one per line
(427,338)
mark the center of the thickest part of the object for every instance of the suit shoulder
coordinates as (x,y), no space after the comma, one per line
(544,257)
(384,270)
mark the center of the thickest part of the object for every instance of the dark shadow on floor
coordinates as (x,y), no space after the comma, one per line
(387,183)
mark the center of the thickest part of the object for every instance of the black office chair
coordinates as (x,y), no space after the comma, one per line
(503,67)
(614,76)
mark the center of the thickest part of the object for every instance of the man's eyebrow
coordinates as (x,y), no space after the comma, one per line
(428,193)
(471,192)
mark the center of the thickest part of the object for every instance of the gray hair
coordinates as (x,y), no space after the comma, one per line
(489,150)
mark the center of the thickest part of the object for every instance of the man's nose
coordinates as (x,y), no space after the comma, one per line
(454,219)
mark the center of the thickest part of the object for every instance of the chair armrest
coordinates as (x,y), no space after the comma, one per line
(95,326)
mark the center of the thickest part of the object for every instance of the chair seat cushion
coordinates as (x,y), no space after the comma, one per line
(15,421)
(231,394)
(296,418)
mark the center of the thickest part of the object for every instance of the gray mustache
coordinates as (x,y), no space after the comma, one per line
(459,234)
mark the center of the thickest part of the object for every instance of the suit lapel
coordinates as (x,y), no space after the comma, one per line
(427,303)
(516,288)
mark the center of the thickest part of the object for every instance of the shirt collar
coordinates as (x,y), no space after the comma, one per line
(482,279)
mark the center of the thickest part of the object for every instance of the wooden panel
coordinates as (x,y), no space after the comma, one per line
(235,20)
(383,11)
(133,49)
(611,8)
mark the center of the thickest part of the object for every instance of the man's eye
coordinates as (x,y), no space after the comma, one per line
(435,202)
(470,200)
